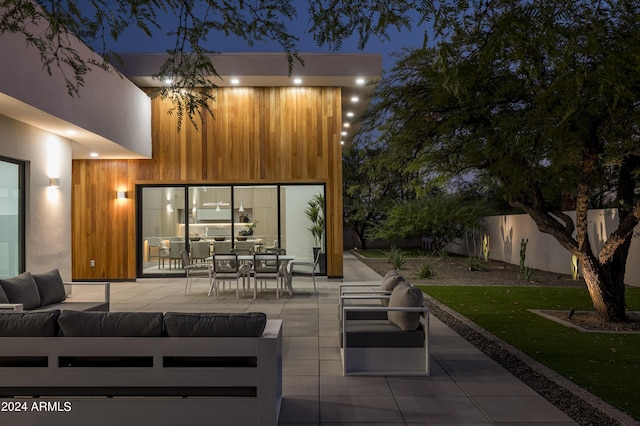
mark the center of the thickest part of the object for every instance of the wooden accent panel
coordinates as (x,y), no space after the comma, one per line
(257,135)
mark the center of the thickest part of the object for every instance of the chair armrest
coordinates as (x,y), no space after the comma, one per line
(11,307)
(386,308)
(106,284)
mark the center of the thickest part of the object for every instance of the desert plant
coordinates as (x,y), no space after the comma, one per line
(523,254)
(427,269)
(396,257)
(473,264)
(527,273)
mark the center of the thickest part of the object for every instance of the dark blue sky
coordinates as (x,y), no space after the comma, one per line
(134,40)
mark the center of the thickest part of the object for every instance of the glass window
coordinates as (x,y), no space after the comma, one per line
(205,220)
(11,218)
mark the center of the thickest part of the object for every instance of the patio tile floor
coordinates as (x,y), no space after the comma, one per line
(465,387)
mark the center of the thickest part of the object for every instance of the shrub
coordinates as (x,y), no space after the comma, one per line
(396,257)
(427,269)
(474,264)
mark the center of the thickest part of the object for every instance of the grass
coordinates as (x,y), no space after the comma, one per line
(604,364)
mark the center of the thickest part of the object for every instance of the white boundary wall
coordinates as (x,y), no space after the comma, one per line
(543,251)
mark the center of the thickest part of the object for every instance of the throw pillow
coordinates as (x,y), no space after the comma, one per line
(177,324)
(405,295)
(110,324)
(22,289)
(388,284)
(29,324)
(3,296)
(50,287)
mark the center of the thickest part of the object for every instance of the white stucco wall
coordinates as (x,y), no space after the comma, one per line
(48,210)
(543,251)
(108,104)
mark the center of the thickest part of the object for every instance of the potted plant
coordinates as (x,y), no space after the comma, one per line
(315,213)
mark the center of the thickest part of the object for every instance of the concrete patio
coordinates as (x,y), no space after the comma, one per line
(465,387)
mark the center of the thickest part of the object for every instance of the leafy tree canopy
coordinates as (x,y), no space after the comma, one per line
(543,98)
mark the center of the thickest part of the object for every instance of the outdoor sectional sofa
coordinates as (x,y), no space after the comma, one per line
(46,292)
(109,368)
(384,331)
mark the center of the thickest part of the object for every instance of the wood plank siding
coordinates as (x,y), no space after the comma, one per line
(257,135)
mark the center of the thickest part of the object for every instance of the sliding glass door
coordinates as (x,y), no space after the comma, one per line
(11,218)
(204,220)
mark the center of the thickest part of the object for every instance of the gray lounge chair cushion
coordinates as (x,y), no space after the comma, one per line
(392,272)
(29,324)
(389,283)
(110,324)
(50,287)
(207,324)
(405,295)
(22,289)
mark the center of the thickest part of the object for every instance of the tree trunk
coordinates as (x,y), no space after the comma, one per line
(606,287)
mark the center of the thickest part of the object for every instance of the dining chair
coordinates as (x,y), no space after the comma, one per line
(311,265)
(175,248)
(200,250)
(266,267)
(225,268)
(194,271)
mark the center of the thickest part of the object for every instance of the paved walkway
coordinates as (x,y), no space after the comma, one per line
(465,387)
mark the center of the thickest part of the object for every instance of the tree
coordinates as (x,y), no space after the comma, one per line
(51,25)
(372,185)
(443,217)
(544,99)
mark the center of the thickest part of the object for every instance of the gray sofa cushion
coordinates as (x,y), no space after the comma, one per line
(29,324)
(390,282)
(405,295)
(50,287)
(3,296)
(110,324)
(179,324)
(22,289)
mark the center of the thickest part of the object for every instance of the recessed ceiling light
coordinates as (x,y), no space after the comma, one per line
(297,81)
(346,125)
(344,133)
(360,81)
(94,154)
(355,99)
(168,81)
(341,142)
(349,114)
(235,81)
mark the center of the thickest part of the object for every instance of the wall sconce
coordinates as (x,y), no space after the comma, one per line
(54,182)
(122,195)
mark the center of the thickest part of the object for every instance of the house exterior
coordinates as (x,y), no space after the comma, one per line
(127,187)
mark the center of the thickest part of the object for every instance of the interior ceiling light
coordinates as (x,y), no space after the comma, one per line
(355,99)
(349,114)
(235,81)
(346,125)
(94,154)
(344,133)
(360,81)
(297,81)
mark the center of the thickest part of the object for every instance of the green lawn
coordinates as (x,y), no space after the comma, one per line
(608,365)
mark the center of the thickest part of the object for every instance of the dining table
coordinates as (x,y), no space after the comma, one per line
(284,259)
